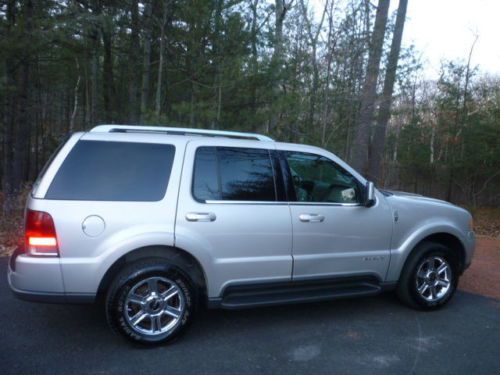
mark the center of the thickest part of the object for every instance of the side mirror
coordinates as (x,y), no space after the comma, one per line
(369,194)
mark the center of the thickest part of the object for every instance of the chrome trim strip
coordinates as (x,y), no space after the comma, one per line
(283,203)
(277,203)
(325,204)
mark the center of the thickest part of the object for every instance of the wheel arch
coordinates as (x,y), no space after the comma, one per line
(181,258)
(450,241)
(446,239)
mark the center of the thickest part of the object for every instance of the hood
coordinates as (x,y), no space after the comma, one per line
(401,193)
(415,197)
(414,208)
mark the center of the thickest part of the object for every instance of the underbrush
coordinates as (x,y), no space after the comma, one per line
(487,221)
(11,225)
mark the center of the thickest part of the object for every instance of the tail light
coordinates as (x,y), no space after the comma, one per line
(40,234)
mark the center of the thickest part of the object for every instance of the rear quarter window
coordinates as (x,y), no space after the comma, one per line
(113,171)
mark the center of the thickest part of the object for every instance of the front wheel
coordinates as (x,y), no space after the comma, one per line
(430,277)
(150,302)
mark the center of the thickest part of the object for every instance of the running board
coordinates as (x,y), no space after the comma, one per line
(247,296)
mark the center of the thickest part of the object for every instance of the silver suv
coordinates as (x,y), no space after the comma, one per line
(157,222)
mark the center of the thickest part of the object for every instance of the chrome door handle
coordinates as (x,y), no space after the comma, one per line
(311,218)
(200,216)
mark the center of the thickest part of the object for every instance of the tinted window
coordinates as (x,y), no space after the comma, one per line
(205,181)
(114,171)
(230,173)
(318,179)
(48,163)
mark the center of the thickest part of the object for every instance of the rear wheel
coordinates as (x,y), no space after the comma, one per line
(429,278)
(150,302)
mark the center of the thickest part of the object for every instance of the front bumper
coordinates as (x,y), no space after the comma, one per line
(470,247)
(40,280)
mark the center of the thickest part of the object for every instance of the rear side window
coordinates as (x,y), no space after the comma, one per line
(233,174)
(47,164)
(113,171)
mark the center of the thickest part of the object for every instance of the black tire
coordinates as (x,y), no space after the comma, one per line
(117,309)
(407,285)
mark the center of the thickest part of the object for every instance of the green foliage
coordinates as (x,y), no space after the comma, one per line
(450,133)
(221,71)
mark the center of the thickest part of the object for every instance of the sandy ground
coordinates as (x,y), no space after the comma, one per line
(483,276)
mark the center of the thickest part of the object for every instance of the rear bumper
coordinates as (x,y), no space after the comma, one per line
(40,280)
(45,297)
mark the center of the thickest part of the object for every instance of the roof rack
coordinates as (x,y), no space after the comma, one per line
(179,131)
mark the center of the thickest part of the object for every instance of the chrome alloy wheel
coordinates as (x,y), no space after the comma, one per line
(154,306)
(433,278)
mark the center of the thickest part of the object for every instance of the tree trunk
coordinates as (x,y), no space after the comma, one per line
(359,150)
(160,64)
(9,118)
(378,142)
(313,40)
(18,111)
(331,43)
(217,62)
(134,65)
(254,61)
(431,146)
(108,77)
(94,117)
(146,64)
(75,98)
(280,11)
(86,107)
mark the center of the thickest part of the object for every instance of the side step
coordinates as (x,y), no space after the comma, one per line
(247,296)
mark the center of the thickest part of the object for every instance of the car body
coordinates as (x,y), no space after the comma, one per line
(275,234)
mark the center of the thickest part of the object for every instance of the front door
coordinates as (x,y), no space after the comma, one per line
(333,233)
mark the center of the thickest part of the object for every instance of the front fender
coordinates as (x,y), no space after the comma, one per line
(400,252)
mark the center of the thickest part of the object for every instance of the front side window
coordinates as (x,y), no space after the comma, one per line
(233,174)
(113,171)
(318,179)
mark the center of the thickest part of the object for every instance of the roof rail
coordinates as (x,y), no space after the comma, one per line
(178,131)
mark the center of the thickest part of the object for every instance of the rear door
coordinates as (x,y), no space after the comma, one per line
(230,207)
